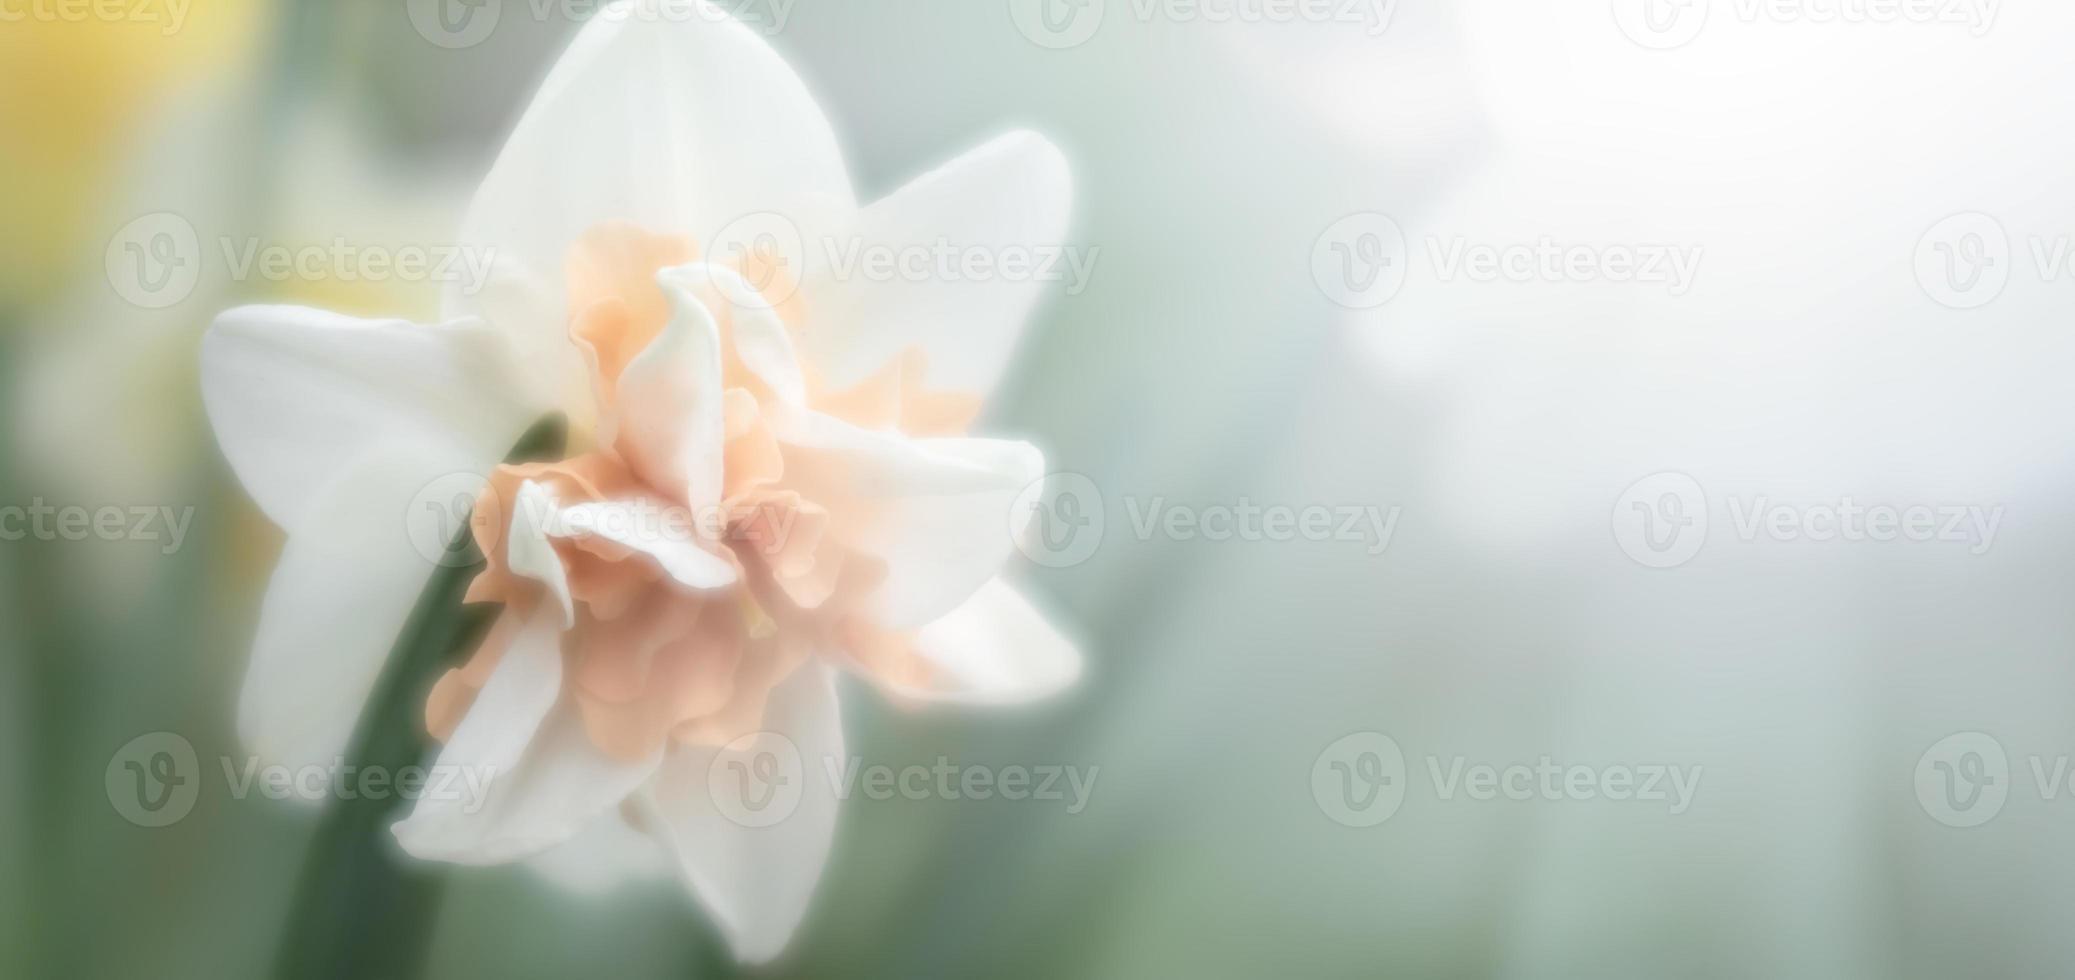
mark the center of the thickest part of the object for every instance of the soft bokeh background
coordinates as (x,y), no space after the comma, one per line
(1203,364)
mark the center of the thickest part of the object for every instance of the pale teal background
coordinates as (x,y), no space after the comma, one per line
(1203,365)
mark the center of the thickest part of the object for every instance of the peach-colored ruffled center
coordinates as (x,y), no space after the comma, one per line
(648,658)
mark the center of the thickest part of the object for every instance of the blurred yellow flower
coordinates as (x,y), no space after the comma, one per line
(75,75)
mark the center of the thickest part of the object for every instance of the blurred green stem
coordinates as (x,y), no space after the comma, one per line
(362,908)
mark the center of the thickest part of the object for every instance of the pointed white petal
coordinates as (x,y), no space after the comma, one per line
(526,306)
(665,113)
(760,336)
(670,422)
(944,526)
(752,850)
(673,545)
(603,856)
(538,520)
(530,553)
(997,648)
(292,393)
(525,775)
(1007,199)
(344,585)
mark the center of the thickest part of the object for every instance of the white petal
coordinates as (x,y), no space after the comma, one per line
(665,113)
(674,544)
(526,306)
(997,648)
(760,336)
(529,553)
(888,461)
(487,746)
(945,525)
(1009,197)
(344,585)
(605,855)
(675,547)
(754,865)
(670,398)
(525,775)
(292,393)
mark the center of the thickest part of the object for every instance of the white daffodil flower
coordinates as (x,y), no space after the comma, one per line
(768,479)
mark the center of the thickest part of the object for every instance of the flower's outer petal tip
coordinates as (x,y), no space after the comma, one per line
(604,856)
(338,596)
(521,775)
(627,127)
(295,394)
(998,648)
(1008,198)
(754,868)
(529,550)
(1046,168)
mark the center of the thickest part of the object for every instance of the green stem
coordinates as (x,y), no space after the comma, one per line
(363,909)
